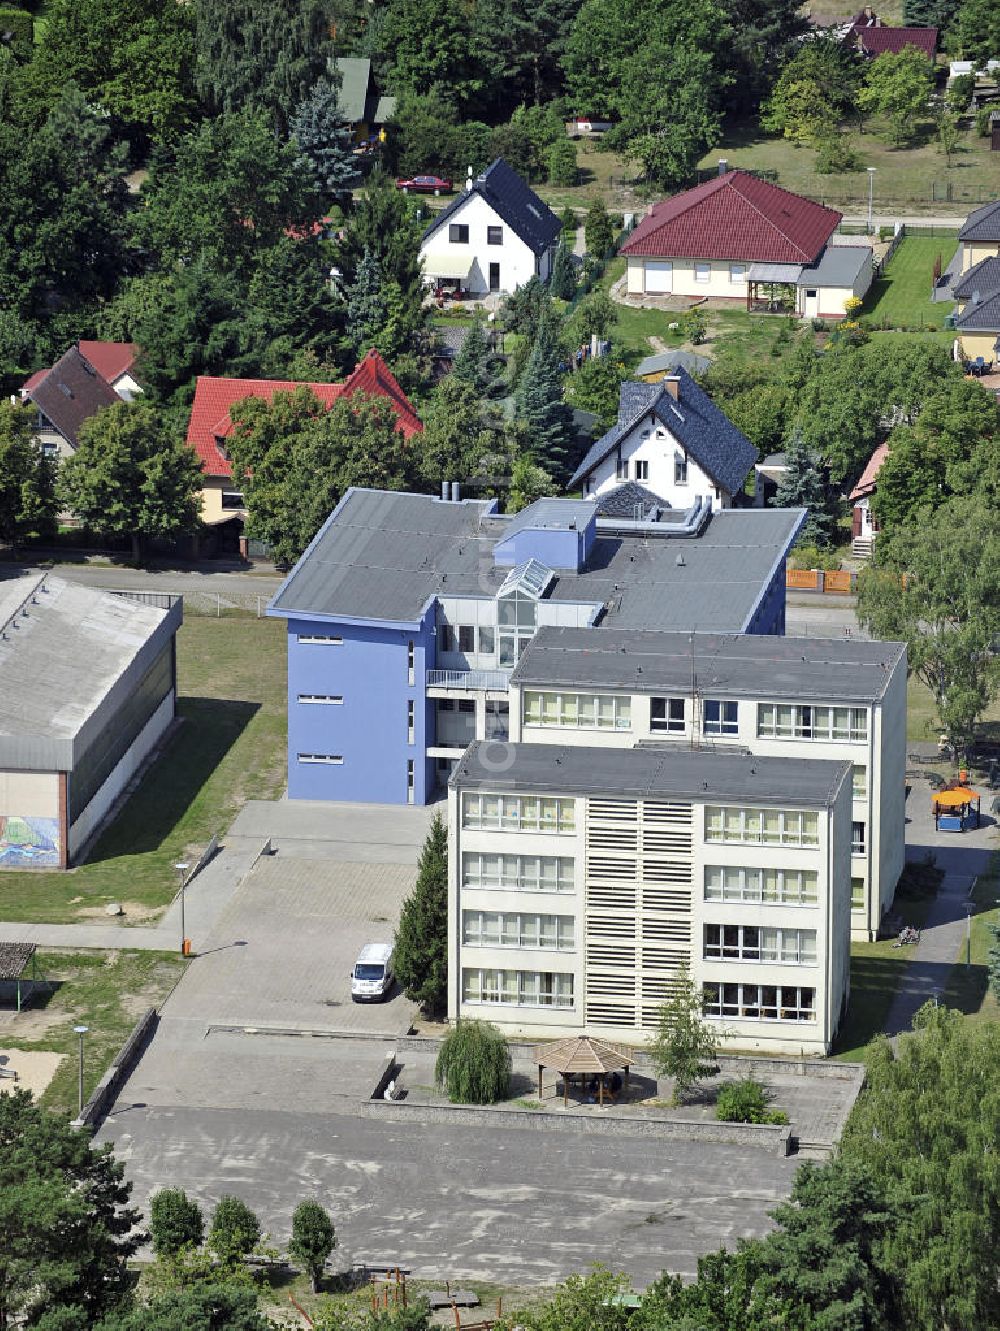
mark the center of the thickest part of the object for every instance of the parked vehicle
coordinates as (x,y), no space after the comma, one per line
(371,978)
(424,185)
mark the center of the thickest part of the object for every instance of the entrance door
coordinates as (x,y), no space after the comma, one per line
(810,303)
(494,277)
(659,276)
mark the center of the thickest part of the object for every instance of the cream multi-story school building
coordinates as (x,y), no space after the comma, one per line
(582,878)
(801,698)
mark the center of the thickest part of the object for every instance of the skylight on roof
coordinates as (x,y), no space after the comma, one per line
(530,578)
(534,211)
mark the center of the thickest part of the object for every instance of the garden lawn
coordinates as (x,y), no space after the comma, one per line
(229,748)
(104,991)
(900,298)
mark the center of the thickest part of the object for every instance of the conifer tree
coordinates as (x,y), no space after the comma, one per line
(326,139)
(470,363)
(420,953)
(539,403)
(562,283)
(804,486)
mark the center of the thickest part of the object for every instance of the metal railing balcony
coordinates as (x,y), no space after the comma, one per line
(495,680)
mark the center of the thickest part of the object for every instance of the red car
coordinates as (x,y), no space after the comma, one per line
(424,185)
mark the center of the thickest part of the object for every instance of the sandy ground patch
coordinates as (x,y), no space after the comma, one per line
(35,1069)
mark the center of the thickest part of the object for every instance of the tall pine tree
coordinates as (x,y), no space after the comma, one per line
(471,361)
(326,139)
(803,485)
(420,954)
(562,283)
(539,403)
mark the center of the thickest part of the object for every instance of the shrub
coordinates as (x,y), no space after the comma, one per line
(820,325)
(19,29)
(473,1065)
(175,1222)
(983,128)
(695,326)
(235,1230)
(812,556)
(835,154)
(745,1101)
(560,162)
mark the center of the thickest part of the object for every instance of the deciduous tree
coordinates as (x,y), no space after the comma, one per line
(130,476)
(27,489)
(898,85)
(473,1064)
(685,1046)
(313,1239)
(175,1221)
(235,1231)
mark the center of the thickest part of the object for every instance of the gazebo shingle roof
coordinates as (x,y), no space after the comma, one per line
(582,1053)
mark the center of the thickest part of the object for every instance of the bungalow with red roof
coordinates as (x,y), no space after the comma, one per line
(864,526)
(210,425)
(739,238)
(89,376)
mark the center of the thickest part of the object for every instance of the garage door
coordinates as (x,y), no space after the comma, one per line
(659,276)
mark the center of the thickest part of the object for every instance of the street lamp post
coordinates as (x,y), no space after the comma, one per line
(81,1031)
(181,872)
(968,934)
(871,198)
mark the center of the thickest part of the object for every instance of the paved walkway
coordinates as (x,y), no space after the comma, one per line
(963,857)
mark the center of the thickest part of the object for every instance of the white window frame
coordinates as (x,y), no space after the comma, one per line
(518,813)
(766,943)
(320,639)
(680,469)
(768,886)
(728,720)
(857,893)
(576,711)
(512,988)
(503,872)
(703,272)
(749,1002)
(806,721)
(670,725)
(736,825)
(324,698)
(327,759)
(641,469)
(521,929)
(738,274)
(859,781)
(859,843)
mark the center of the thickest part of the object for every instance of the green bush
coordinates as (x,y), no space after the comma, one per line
(835,154)
(175,1222)
(745,1101)
(473,1065)
(812,556)
(235,1231)
(560,163)
(17,31)
(983,127)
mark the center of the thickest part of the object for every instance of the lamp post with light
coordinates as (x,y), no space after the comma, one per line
(181,873)
(81,1031)
(871,198)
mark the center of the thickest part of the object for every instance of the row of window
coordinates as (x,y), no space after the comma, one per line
(750,942)
(767,827)
(518,813)
(518,873)
(458,234)
(794,721)
(593,711)
(495,928)
(517,988)
(786,887)
(640,469)
(759,1002)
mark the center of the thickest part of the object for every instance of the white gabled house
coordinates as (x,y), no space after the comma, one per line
(672,438)
(494,237)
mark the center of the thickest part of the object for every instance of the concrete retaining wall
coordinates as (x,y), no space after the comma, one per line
(766,1137)
(106,1091)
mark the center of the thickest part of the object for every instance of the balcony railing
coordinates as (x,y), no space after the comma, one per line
(495,680)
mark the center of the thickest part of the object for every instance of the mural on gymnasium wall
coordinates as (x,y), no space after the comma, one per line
(29,843)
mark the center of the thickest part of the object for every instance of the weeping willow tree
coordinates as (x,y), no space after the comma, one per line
(473,1065)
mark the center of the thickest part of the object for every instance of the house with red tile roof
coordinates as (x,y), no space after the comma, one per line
(210,424)
(864,527)
(739,238)
(89,376)
(869,35)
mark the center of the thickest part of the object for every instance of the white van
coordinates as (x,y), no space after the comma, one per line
(371,978)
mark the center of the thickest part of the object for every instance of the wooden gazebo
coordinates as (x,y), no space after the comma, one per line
(14,957)
(582,1056)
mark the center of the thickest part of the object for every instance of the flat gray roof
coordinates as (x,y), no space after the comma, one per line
(838,266)
(382,555)
(556,514)
(737,665)
(63,649)
(649,773)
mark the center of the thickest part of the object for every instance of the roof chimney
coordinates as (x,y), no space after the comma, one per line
(672,383)
(468,178)
(723,165)
(445,490)
(456,492)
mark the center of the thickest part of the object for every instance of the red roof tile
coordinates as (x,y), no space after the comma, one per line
(35,379)
(866,484)
(215,398)
(735,216)
(110,359)
(878,39)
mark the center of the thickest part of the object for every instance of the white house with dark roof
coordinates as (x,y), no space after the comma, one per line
(493,238)
(671,437)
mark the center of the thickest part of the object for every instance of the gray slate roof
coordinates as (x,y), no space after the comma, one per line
(983,317)
(735,665)
(707,434)
(652,773)
(62,660)
(71,393)
(382,555)
(982,223)
(512,199)
(983,277)
(629,500)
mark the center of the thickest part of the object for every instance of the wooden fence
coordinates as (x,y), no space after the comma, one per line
(833,582)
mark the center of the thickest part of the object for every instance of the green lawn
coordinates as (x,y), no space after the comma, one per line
(230,748)
(105,991)
(900,298)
